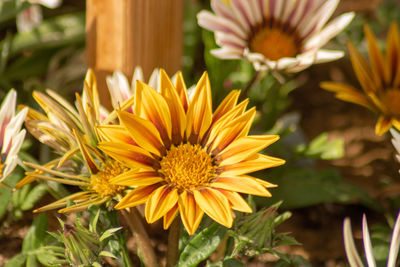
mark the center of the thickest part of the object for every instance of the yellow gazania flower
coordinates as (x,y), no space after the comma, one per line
(380,80)
(185,158)
(71,132)
(95,187)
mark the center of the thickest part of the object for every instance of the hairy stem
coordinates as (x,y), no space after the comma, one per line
(135,224)
(173,243)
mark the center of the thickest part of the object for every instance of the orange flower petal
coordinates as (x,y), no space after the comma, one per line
(383,125)
(162,200)
(348,93)
(181,90)
(137,196)
(376,58)
(236,201)
(226,105)
(233,130)
(241,184)
(114,133)
(155,108)
(135,178)
(363,72)
(215,205)
(245,147)
(191,214)
(256,163)
(142,132)
(170,216)
(178,116)
(199,114)
(221,123)
(129,155)
(393,55)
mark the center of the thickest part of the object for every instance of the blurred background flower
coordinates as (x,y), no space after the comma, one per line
(275,35)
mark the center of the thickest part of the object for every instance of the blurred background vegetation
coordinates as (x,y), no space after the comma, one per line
(335,167)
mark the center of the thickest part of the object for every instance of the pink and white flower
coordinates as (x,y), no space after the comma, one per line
(11,135)
(121,90)
(282,35)
(32,16)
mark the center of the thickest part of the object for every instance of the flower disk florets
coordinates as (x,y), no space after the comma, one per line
(187,166)
(100,182)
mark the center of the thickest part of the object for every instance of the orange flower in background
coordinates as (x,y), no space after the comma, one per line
(185,158)
(379,79)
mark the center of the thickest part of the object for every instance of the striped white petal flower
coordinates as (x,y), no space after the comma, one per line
(120,89)
(354,258)
(396,142)
(11,135)
(32,16)
(282,35)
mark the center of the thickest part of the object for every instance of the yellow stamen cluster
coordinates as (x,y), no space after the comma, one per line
(274,43)
(187,166)
(99,182)
(391,100)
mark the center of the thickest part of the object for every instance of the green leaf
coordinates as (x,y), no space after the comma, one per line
(303,187)
(36,233)
(202,245)
(46,256)
(227,262)
(109,233)
(323,148)
(6,194)
(5,197)
(16,261)
(34,196)
(57,31)
(31,261)
(105,253)
(35,64)
(10,9)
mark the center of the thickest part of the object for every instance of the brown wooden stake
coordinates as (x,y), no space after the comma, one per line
(122,34)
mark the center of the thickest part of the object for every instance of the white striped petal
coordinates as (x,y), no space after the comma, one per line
(287,62)
(240,15)
(227,52)
(288,9)
(279,5)
(323,55)
(332,29)
(223,38)
(394,243)
(119,88)
(256,10)
(7,110)
(266,9)
(213,23)
(13,128)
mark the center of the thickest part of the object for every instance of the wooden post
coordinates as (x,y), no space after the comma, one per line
(122,34)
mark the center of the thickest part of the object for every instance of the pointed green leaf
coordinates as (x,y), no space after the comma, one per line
(109,233)
(105,253)
(34,196)
(202,245)
(36,233)
(16,261)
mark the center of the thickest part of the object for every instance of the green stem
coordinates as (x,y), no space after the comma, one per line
(243,95)
(173,243)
